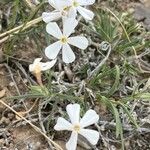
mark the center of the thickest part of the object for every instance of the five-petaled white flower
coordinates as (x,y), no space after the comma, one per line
(62,10)
(78,6)
(77,125)
(39,66)
(64,40)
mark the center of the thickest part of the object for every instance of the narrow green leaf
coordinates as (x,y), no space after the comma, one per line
(129,114)
(116,83)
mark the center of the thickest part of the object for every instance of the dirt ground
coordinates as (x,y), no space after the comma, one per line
(16,134)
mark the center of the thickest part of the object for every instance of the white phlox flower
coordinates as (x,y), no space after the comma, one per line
(62,10)
(39,66)
(64,40)
(78,6)
(77,125)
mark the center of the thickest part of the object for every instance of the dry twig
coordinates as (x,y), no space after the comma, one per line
(32,125)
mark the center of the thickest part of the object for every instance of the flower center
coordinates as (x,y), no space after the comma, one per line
(75,4)
(64,40)
(77,128)
(67,8)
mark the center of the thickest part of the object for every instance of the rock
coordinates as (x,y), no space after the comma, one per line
(142,13)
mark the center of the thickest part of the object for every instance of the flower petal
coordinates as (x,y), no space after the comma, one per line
(86,2)
(63,124)
(72,13)
(72,143)
(78,41)
(61,4)
(48,17)
(91,135)
(87,14)
(89,118)
(36,62)
(31,67)
(73,111)
(52,50)
(69,26)
(52,3)
(68,55)
(48,65)
(53,29)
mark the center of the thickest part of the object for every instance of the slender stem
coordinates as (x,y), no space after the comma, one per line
(104,46)
(23,26)
(28,2)
(123,29)
(128,38)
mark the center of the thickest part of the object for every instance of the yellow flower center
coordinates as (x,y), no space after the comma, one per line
(64,40)
(75,4)
(77,128)
(67,8)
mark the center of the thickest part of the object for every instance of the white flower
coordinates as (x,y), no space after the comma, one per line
(64,40)
(78,6)
(77,125)
(38,66)
(62,10)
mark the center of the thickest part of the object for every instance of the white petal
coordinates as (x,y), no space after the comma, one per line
(78,41)
(72,143)
(91,135)
(68,55)
(69,26)
(63,124)
(52,50)
(90,117)
(73,111)
(86,2)
(61,4)
(36,62)
(87,14)
(48,17)
(48,65)
(53,29)
(72,13)
(31,67)
(52,3)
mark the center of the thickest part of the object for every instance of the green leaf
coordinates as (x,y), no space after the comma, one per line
(143,96)
(40,90)
(105,26)
(114,111)
(129,114)
(116,83)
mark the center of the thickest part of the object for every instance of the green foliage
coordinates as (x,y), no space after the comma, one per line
(110,30)
(121,32)
(38,90)
(114,107)
(106,28)
(107,85)
(116,84)
(20,14)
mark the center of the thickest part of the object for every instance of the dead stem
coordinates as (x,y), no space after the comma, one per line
(12,77)
(32,125)
(6,35)
(107,47)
